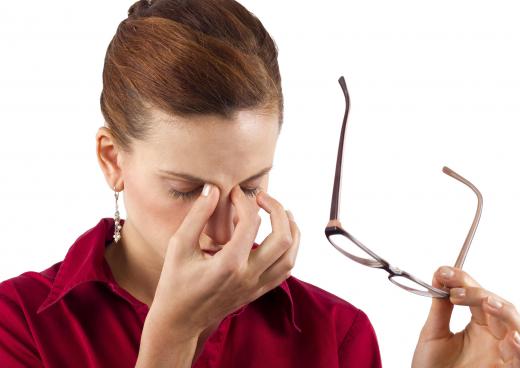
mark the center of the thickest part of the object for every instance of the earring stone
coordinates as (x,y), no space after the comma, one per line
(117,226)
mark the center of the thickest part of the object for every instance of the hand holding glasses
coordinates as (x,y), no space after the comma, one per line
(349,246)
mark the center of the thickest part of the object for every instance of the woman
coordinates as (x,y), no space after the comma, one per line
(193,107)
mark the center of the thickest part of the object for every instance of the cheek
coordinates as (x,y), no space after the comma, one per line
(154,214)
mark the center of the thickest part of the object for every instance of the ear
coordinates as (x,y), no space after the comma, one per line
(109,158)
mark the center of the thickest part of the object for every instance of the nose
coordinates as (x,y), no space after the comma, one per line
(220,225)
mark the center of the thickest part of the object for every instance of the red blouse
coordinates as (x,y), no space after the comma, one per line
(74,314)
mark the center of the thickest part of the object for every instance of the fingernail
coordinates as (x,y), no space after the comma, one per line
(458,292)
(206,190)
(446,272)
(289,213)
(494,302)
(516,336)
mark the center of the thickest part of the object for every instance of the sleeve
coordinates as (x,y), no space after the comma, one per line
(359,348)
(17,348)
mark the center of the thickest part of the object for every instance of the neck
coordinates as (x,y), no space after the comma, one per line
(135,265)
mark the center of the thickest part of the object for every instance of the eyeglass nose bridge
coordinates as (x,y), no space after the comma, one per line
(394,273)
(392,270)
(334,227)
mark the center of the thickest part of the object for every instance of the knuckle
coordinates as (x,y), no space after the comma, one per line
(231,268)
(277,206)
(480,294)
(510,308)
(466,280)
(290,264)
(245,282)
(252,282)
(286,240)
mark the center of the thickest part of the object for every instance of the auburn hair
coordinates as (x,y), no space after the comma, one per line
(187,57)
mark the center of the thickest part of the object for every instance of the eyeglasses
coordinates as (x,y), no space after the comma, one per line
(349,246)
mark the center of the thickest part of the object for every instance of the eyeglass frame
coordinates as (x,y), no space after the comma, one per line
(334,226)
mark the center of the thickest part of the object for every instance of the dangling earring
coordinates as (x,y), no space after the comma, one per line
(117,227)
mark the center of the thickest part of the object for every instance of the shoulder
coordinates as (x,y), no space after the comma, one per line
(20,297)
(329,316)
(320,300)
(311,301)
(28,289)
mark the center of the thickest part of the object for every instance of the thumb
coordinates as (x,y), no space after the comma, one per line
(438,322)
(188,233)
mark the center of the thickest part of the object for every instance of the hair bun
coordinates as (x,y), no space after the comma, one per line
(136,10)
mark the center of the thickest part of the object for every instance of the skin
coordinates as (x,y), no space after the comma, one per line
(160,250)
(227,152)
(488,339)
(154,266)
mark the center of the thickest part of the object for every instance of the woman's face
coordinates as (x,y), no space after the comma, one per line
(160,176)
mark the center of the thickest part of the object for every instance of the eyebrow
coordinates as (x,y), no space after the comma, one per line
(202,180)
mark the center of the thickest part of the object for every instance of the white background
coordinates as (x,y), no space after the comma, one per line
(431,84)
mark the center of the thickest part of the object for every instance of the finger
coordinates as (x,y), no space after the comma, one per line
(276,243)
(188,233)
(437,324)
(497,327)
(281,269)
(510,348)
(453,277)
(247,222)
(503,310)
(279,220)
(515,341)
(476,298)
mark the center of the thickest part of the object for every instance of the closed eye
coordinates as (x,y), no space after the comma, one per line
(194,193)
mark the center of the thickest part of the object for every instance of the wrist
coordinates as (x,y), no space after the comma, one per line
(162,347)
(156,324)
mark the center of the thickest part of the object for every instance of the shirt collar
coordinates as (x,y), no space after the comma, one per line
(85,261)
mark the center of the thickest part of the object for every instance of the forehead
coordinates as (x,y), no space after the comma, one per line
(205,143)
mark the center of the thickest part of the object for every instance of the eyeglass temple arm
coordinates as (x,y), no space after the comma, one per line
(336,195)
(465,247)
